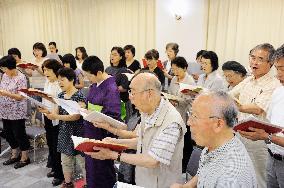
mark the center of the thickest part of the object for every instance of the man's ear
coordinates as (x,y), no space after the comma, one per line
(219,125)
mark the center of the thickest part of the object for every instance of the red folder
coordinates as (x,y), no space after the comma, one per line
(35,92)
(255,123)
(87,146)
(27,66)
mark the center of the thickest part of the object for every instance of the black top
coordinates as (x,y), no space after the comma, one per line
(159,73)
(120,79)
(69,128)
(135,65)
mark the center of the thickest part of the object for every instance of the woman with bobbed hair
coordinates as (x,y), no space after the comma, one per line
(13,111)
(210,79)
(234,73)
(81,54)
(131,63)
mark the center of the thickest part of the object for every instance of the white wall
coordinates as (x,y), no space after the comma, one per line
(189,32)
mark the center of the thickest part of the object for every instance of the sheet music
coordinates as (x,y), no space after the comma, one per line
(72,107)
(37,103)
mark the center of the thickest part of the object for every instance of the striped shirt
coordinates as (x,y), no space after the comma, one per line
(164,144)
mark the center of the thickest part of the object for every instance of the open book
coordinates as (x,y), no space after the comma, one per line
(86,144)
(171,97)
(72,107)
(185,88)
(100,117)
(27,66)
(255,123)
(37,103)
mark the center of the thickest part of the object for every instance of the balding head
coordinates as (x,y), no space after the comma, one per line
(145,92)
(221,105)
(147,80)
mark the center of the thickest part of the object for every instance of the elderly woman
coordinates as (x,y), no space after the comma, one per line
(13,111)
(179,68)
(234,73)
(210,79)
(172,50)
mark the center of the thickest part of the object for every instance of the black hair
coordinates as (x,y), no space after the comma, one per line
(93,65)
(122,61)
(131,48)
(152,54)
(83,50)
(180,62)
(54,44)
(68,73)
(15,51)
(199,53)
(234,66)
(70,59)
(213,58)
(8,61)
(41,47)
(174,47)
(52,64)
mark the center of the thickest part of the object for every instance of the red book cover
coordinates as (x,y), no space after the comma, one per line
(36,92)
(27,66)
(255,123)
(86,145)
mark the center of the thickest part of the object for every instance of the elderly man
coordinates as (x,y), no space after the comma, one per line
(254,94)
(224,161)
(160,136)
(275,142)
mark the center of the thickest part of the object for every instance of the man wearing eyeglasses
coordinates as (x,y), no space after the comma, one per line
(254,94)
(160,136)
(275,142)
(224,161)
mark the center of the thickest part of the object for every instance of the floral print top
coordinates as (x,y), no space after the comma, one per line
(12,109)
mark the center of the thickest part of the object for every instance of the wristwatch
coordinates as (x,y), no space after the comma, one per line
(268,140)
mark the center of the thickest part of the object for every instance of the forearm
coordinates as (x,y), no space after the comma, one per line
(15,96)
(278,140)
(192,183)
(131,143)
(142,160)
(68,117)
(122,133)
(251,109)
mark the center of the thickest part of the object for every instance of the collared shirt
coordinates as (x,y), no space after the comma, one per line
(213,82)
(228,166)
(257,91)
(276,116)
(163,145)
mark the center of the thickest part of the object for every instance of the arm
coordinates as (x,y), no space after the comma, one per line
(251,109)
(116,131)
(54,115)
(191,184)
(131,143)
(142,160)
(17,97)
(260,134)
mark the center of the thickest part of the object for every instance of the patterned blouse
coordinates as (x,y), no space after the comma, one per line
(12,109)
(69,128)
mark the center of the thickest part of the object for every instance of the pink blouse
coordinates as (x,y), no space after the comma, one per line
(12,109)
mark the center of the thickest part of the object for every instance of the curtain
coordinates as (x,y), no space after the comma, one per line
(236,26)
(98,25)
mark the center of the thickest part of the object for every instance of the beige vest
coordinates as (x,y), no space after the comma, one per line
(164,175)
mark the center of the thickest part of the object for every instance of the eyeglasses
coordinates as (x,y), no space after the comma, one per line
(257,59)
(193,118)
(131,93)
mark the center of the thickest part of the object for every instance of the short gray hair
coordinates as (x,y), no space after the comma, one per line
(267,47)
(151,80)
(279,53)
(224,106)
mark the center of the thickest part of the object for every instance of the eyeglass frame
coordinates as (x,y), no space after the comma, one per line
(257,59)
(192,117)
(133,94)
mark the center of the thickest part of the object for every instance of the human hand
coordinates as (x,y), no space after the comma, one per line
(255,134)
(102,154)
(103,125)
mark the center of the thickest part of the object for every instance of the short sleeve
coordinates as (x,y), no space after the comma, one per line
(163,146)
